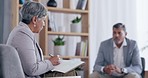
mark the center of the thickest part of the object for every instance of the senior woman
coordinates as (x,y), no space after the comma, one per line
(22,38)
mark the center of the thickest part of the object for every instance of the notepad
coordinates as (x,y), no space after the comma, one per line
(67,65)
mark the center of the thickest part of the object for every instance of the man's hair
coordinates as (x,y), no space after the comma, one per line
(31,9)
(120,25)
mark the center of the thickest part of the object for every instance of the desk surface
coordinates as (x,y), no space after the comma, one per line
(65,77)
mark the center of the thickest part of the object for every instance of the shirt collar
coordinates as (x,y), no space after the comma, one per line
(123,44)
(24,28)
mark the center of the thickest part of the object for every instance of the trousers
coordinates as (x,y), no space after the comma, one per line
(102,75)
(59,74)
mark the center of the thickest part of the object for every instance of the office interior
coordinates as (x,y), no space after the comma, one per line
(103,14)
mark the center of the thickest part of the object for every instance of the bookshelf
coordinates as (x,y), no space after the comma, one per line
(44,34)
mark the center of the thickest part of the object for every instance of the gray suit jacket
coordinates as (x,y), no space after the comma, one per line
(23,40)
(131,56)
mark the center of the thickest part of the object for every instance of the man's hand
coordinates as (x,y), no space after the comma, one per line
(109,69)
(54,60)
(118,70)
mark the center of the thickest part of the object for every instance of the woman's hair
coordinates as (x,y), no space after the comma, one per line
(31,9)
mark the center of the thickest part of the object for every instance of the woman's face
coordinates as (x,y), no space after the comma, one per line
(39,24)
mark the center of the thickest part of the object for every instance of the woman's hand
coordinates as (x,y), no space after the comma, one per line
(54,60)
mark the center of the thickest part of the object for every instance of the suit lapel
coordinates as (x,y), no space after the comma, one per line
(39,51)
(111,51)
(125,54)
(125,51)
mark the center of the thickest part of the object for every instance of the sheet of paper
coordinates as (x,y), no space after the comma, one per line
(67,65)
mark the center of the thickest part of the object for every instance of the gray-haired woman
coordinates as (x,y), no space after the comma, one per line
(22,38)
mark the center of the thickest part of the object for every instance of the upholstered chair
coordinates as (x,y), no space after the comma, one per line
(10,65)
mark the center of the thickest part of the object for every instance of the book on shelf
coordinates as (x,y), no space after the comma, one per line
(67,65)
(81,4)
(81,48)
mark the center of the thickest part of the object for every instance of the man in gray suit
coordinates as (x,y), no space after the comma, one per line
(118,57)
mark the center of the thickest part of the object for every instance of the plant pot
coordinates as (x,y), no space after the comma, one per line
(59,50)
(76,27)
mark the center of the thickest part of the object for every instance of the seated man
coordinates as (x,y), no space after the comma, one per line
(118,57)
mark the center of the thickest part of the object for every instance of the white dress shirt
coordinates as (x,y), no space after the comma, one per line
(118,55)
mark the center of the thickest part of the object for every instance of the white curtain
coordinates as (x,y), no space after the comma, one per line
(142,17)
(104,14)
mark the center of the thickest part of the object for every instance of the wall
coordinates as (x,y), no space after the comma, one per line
(1,20)
(5,20)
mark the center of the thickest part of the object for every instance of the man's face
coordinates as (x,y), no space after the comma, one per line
(118,35)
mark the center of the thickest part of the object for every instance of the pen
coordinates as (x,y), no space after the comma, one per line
(51,55)
(58,57)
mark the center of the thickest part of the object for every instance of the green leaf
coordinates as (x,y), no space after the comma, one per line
(76,20)
(59,41)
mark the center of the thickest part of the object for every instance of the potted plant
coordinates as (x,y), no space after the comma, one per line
(59,41)
(76,20)
(59,46)
(76,25)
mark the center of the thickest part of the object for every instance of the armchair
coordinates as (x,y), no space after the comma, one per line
(143,67)
(10,65)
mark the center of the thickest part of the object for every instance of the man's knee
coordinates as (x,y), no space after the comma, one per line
(94,75)
(132,75)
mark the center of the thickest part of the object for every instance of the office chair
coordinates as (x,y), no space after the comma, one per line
(143,67)
(10,65)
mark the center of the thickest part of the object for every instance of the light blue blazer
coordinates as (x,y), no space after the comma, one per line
(23,40)
(131,56)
